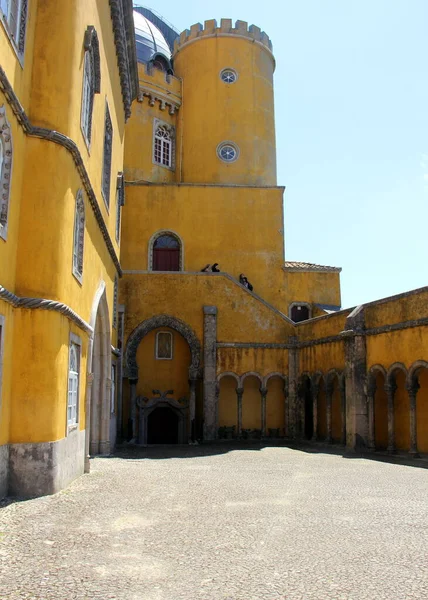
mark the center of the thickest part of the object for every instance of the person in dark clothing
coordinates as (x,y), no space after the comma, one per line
(206,268)
(244,281)
(214,268)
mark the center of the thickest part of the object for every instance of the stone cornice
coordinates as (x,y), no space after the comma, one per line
(62,140)
(163,99)
(124,37)
(44,304)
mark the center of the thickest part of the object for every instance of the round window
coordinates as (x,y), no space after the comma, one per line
(229,75)
(227,151)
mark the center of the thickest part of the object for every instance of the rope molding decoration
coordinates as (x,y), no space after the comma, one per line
(68,144)
(45,304)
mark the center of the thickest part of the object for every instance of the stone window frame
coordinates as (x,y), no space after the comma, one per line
(74,343)
(5,171)
(157,357)
(152,243)
(107,158)
(120,201)
(171,129)
(17,37)
(306,304)
(78,236)
(220,147)
(2,338)
(115,299)
(232,70)
(92,79)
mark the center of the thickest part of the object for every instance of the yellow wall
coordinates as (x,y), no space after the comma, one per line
(6,381)
(422,412)
(155,374)
(381,413)
(214,111)
(258,360)
(227,403)
(312,287)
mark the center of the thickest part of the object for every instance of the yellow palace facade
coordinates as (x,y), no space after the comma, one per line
(144,293)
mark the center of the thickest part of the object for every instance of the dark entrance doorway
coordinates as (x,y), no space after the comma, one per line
(162,426)
(309,409)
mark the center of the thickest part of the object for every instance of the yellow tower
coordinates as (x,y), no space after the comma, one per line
(227,128)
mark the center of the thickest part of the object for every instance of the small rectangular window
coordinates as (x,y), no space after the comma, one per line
(164,345)
(73,383)
(108,147)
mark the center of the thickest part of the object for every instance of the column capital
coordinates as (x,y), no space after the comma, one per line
(413,387)
(390,388)
(239,391)
(263,391)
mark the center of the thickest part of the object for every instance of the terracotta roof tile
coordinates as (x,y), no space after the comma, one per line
(304,266)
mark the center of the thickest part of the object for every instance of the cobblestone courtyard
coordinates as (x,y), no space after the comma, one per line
(215,523)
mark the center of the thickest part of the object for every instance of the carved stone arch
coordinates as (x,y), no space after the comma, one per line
(91,44)
(371,379)
(316,378)
(152,241)
(153,323)
(269,376)
(397,366)
(250,374)
(329,378)
(221,376)
(5,171)
(414,369)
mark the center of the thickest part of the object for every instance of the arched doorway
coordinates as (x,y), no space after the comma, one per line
(99,439)
(166,253)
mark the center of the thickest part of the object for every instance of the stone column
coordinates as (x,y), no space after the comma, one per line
(263,393)
(210,372)
(294,415)
(192,408)
(239,393)
(329,389)
(371,393)
(133,401)
(315,390)
(355,382)
(412,390)
(89,382)
(390,389)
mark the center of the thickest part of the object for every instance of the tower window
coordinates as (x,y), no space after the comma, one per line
(163,146)
(5,170)
(164,345)
(227,151)
(14,12)
(78,236)
(228,75)
(91,81)
(73,383)
(108,147)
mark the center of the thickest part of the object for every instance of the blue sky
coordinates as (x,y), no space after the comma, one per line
(351,102)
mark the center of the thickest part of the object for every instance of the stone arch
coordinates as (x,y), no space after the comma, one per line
(374,370)
(228,374)
(152,241)
(390,375)
(413,371)
(153,323)
(274,374)
(276,404)
(250,374)
(398,407)
(92,45)
(417,388)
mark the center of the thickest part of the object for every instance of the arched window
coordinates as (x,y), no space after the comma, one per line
(166,253)
(73,383)
(163,147)
(79,236)
(91,81)
(5,170)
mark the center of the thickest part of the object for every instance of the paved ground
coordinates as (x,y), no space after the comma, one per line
(217,523)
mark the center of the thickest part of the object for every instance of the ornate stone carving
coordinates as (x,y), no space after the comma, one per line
(92,45)
(5,170)
(153,323)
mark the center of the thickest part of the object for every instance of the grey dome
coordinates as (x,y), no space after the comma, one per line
(149,40)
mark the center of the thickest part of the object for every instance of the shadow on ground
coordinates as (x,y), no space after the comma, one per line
(160,452)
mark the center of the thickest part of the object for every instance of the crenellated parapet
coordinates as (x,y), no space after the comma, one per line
(211,29)
(159,88)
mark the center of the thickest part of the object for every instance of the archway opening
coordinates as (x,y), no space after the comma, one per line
(251,407)
(401,412)
(275,407)
(381,413)
(422,411)
(321,411)
(227,408)
(309,408)
(162,426)
(166,253)
(336,412)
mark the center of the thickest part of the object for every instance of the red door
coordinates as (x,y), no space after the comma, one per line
(166,254)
